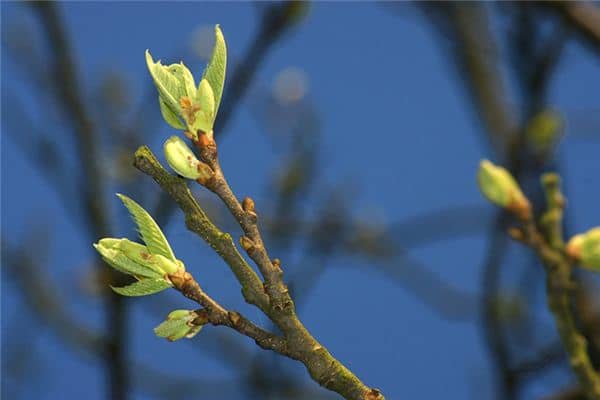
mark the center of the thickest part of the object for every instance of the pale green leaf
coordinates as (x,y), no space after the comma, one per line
(205,117)
(170,87)
(143,288)
(169,116)
(206,99)
(120,262)
(149,230)
(215,71)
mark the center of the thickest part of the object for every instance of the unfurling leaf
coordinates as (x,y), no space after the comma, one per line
(119,261)
(149,230)
(170,88)
(143,287)
(215,71)
(185,78)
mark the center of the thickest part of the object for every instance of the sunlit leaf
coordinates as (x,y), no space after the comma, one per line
(149,230)
(120,262)
(143,288)
(215,71)
(185,78)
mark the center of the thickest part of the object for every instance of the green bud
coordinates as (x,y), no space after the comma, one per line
(183,161)
(500,188)
(179,324)
(544,130)
(181,314)
(585,249)
(179,333)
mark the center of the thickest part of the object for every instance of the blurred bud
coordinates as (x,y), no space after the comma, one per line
(183,160)
(203,41)
(290,85)
(585,249)
(500,188)
(296,11)
(544,130)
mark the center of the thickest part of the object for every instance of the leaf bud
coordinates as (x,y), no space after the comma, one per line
(585,249)
(500,188)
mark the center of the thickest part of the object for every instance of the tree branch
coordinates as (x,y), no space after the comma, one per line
(279,307)
(549,247)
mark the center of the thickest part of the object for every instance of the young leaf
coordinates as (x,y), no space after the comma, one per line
(215,71)
(149,230)
(169,116)
(170,88)
(206,99)
(143,287)
(120,262)
(185,77)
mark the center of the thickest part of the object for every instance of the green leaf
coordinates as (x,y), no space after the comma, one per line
(185,78)
(149,230)
(169,85)
(143,287)
(169,116)
(120,262)
(215,71)
(205,116)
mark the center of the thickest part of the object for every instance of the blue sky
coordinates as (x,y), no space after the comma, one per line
(395,125)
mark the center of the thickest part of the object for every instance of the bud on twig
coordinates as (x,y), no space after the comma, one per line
(150,263)
(183,161)
(246,243)
(585,249)
(248,205)
(500,188)
(516,234)
(179,324)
